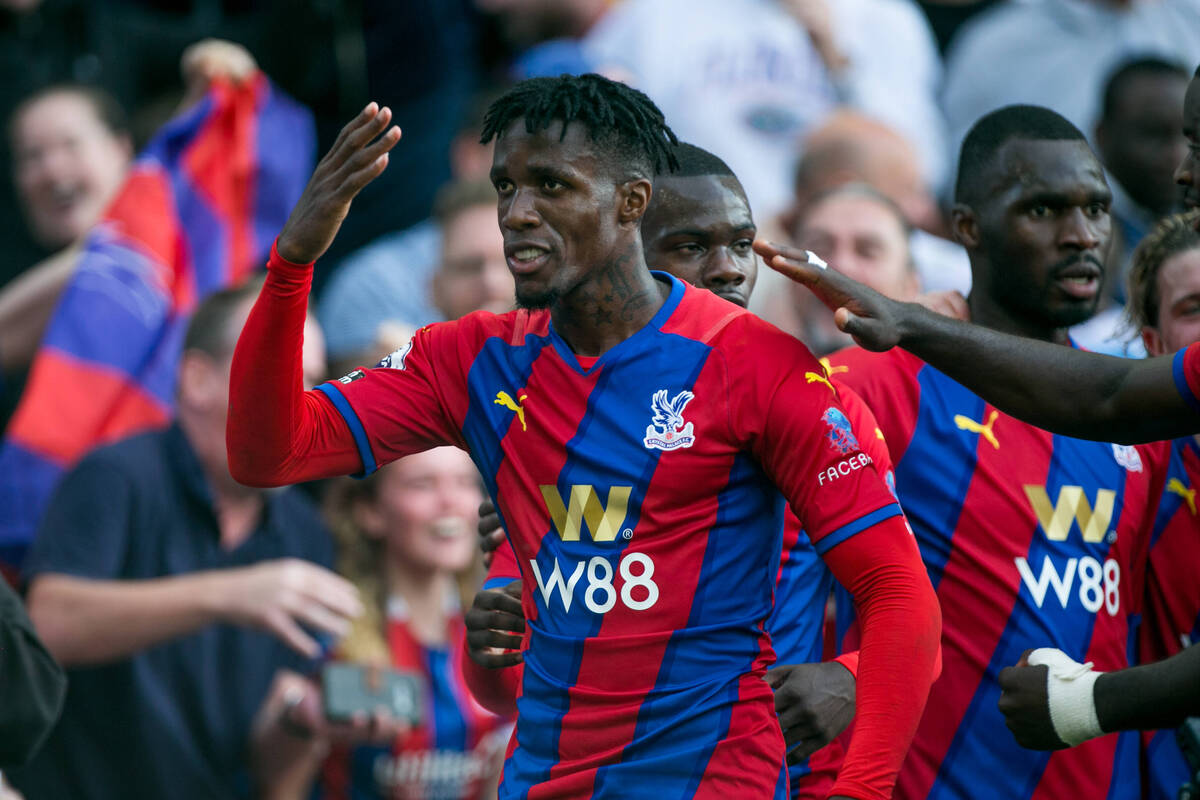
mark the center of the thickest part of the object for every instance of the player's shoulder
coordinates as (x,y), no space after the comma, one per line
(468,334)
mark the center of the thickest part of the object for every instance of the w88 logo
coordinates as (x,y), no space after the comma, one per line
(638,590)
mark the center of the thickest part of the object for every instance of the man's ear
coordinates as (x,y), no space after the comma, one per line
(964,225)
(633,199)
(1153,341)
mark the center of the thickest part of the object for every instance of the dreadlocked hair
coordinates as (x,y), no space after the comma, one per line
(617,117)
(1171,236)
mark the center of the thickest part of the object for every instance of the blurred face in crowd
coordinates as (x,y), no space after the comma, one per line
(1039,239)
(67,164)
(1187,174)
(1141,142)
(473,274)
(699,229)
(863,238)
(1178,288)
(426,508)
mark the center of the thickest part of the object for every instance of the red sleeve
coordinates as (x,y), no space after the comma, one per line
(849,661)
(901,630)
(494,689)
(797,426)
(887,383)
(793,421)
(277,433)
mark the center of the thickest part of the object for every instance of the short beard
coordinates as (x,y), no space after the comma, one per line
(534,301)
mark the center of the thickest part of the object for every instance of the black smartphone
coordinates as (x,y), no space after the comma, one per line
(352,688)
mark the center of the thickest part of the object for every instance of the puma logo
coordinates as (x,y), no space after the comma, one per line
(1176,486)
(813,377)
(516,406)
(984,430)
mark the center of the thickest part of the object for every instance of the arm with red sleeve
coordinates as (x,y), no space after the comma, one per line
(802,436)
(495,686)
(279,434)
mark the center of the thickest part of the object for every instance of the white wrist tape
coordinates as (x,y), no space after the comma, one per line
(815,259)
(1069,690)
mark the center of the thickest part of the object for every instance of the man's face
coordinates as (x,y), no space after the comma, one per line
(67,165)
(473,274)
(558,208)
(1044,231)
(700,230)
(1187,174)
(1178,288)
(1142,139)
(862,238)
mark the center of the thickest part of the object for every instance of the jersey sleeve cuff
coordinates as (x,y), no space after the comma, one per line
(850,662)
(499,581)
(1179,369)
(342,404)
(287,269)
(836,537)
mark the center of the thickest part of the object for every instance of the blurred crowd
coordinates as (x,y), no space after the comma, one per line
(192,615)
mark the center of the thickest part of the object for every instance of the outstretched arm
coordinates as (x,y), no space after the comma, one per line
(277,433)
(1067,391)
(1051,702)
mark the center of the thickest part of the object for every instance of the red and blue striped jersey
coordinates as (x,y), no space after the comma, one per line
(1030,540)
(450,755)
(1186,368)
(802,588)
(639,495)
(1171,620)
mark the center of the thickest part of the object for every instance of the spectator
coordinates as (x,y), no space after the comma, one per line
(448,267)
(406,535)
(863,234)
(947,16)
(1058,53)
(172,595)
(1139,139)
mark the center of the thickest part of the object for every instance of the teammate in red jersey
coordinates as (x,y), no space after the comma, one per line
(637,484)
(1028,538)
(699,228)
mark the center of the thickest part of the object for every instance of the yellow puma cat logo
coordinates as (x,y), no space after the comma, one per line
(1176,486)
(518,406)
(984,430)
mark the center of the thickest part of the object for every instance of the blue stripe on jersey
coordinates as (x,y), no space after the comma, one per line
(938,454)
(690,704)
(497,583)
(449,726)
(983,752)
(797,623)
(1166,768)
(859,525)
(601,454)
(355,425)
(1185,391)
(498,366)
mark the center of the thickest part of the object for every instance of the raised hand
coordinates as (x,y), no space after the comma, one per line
(358,156)
(491,534)
(814,702)
(873,320)
(495,624)
(281,595)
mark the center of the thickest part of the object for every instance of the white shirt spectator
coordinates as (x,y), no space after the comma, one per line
(1058,54)
(737,77)
(895,74)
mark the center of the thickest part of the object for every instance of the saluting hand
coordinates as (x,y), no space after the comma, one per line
(358,156)
(873,320)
